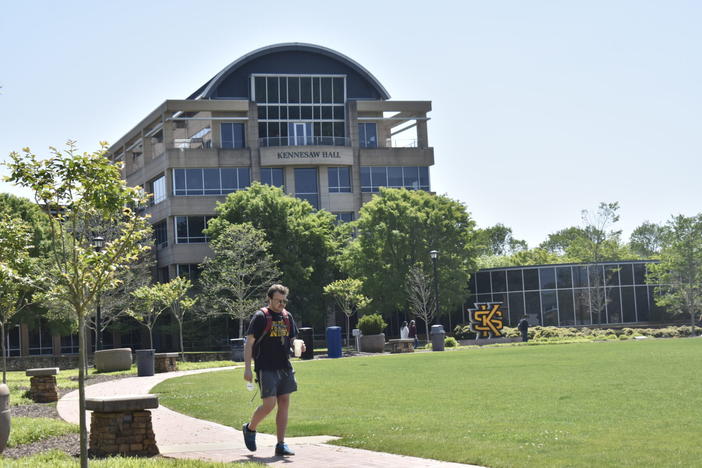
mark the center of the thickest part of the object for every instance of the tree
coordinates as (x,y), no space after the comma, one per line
(679,273)
(72,188)
(16,271)
(174,294)
(236,278)
(560,242)
(115,302)
(422,302)
(148,307)
(397,229)
(598,245)
(498,240)
(303,241)
(647,239)
(348,296)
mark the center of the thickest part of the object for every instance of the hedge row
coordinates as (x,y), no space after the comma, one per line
(462,332)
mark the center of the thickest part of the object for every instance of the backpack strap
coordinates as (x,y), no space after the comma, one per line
(269,324)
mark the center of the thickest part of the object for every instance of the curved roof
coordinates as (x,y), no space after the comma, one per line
(209,89)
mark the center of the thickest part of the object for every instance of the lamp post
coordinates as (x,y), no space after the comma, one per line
(98,243)
(434,254)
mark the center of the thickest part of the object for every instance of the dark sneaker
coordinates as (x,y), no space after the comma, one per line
(282,449)
(250,438)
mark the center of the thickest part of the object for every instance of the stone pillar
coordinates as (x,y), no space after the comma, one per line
(43,387)
(122,426)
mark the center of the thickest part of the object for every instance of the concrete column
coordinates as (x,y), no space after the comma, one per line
(422,134)
(24,340)
(252,141)
(352,113)
(56,345)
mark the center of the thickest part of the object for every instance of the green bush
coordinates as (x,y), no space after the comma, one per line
(463,332)
(372,324)
(450,342)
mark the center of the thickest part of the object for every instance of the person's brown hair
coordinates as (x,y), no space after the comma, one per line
(277,288)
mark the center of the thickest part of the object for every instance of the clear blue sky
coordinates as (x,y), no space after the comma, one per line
(540,108)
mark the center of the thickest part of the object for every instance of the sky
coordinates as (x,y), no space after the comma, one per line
(540,109)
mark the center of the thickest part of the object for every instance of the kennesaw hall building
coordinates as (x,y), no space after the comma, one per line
(298,116)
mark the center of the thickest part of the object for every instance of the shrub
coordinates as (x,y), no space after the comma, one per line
(372,324)
(463,332)
(450,342)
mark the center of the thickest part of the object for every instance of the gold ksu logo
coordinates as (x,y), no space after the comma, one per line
(486,319)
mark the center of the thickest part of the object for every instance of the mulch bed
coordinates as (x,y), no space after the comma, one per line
(69,443)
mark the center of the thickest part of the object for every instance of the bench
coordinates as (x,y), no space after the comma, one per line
(402,345)
(165,362)
(121,425)
(42,385)
(108,360)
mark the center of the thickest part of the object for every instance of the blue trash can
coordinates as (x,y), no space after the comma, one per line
(334,342)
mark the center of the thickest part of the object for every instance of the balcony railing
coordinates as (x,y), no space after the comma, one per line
(305,141)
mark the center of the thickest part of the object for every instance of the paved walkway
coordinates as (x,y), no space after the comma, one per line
(181,436)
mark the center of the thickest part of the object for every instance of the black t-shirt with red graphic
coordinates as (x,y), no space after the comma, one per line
(272,352)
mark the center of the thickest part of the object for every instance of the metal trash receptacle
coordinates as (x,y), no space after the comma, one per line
(437,337)
(237,347)
(334,342)
(145,362)
(306,334)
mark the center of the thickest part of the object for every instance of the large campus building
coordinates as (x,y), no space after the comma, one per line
(299,116)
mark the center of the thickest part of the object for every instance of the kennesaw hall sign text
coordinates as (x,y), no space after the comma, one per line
(323,155)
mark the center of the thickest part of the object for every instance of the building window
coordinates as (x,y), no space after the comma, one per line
(157,187)
(344,216)
(272,176)
(306,186)
(163,275)
(161,234)
(233,135)
(12,342)
(339,179)
(189,229)
(296,110)
(367,135)
(190,271)
(210,181)
(40,339)
(411,178)
(69,344)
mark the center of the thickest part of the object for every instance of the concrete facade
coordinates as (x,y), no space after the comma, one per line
(232,125)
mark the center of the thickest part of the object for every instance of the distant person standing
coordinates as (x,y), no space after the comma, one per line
(404,331)
(413,332)
(523,327)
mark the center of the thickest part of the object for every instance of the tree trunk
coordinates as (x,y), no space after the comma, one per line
(151,339)
(241,328)
(182,350)
(81,392)
(4,353)
(426,328)
(348,330)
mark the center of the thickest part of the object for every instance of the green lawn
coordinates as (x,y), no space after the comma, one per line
(588,404)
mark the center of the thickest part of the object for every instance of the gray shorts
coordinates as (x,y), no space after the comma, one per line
(273,383)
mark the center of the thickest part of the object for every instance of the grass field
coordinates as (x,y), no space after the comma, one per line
(587,404)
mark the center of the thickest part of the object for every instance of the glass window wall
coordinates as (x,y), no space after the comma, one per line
(210,181)
(565,295)
(411,178)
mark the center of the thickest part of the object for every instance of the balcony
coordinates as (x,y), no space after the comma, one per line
(304,141)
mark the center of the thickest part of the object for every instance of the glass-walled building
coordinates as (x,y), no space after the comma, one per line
(297,116)
(570,294)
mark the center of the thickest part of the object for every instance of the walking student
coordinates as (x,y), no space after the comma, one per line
(268,341)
